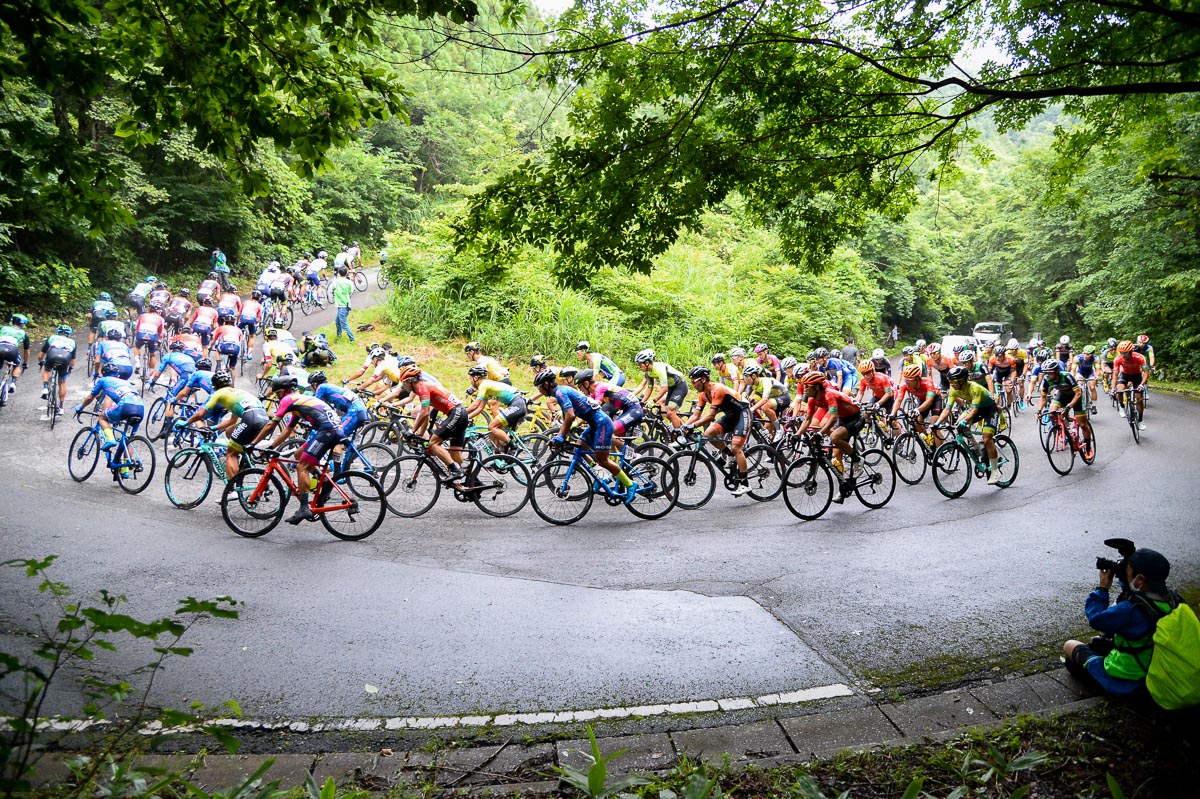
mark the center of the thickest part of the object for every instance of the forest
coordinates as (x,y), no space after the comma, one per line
(509,164)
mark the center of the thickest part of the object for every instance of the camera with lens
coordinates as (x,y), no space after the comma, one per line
(1125,548)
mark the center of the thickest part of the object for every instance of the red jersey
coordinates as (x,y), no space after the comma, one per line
(1129,363)
(879,383)
(436,397)
(251,311)
(151,323)
(836,401)
(922,392)
(205,315)
(230,303)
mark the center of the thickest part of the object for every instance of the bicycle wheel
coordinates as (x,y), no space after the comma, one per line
(764,472)
(307,305)
(253,502)
(910,458)
(952,467)
(1088,454)
(655,449)
(1009,462)
(285,318)
(874,477)
(368,458)
(356,505)
(559,498)
(83,455)
(695,478)
(807,488)
(416,486)
(360,280)
(1058,448)
(134,461)
(657,487)
(52,399)
(382,279)
(379,434)
(504,486)
(156,417)
(188,479)
(1132,416)
(5,382)
(536,449)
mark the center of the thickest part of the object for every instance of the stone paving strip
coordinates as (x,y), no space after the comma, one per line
(512,768)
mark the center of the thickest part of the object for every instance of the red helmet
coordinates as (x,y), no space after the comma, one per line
(1143,339)
(812,379)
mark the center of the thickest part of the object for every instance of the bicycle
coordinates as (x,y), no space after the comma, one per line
(350,505)
(564,488)
(358,276)
(912,452)
(808,482)
(695,469)
(6,380)
(957,460)
(130,459)
(312,298)
(1063,440)
(1128,404)
(497,484)
(53,409)
(381,277)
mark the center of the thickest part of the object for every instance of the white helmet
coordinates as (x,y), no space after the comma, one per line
(1013,344)
(919,343)
(322,255)
(645,356)
(878,353)
(1033,342)
(1065,340)
(737,352)
(273,266)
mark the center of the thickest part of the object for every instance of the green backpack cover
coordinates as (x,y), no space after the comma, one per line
(1173,678)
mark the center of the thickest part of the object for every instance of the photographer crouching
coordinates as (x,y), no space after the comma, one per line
(1117,660)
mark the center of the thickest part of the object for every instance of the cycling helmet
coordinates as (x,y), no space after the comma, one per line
(821,352)
(1051,365)
(185,292)
(256,295)
(583,346)
(212,275)
(799,369)
(1125,346)
(1089,349)
(114,335)
(645,356)
(284,383)
(751,370)
(151,279)
(409,373)
(698,372)
(105,296)
(345,248)
(919,343)
(934,348)
(286,358)
(175,346)
(958,373)
(835,354)
(64,330)
(156,307)
(271,333)
(1143,339)
(914,370)
(866,367)
(273,266)
(1064,340)
(545,377)
(111,313)
(477,371)
(377,353)
(568,371)
(204,365)
(1001,351)
(960,348)
(224,380)
(207,302)
(1013,344)
(403,361)
(759,349)
(810,379)
(538,361)
(1112,342)
(585,376)
(737,352)
(109,369)
(878,353)
(160,285)
(966,356)
(907,351)
(811,356)
(472,346)
(317,378)
(718,358)
(787,364)
(1033,342)
(322,254)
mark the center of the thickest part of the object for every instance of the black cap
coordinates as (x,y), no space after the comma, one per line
(1152,565)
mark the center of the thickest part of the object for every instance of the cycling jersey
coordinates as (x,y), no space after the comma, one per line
(1129,363)
(1063,353)
(837,403)
(117,391)
(389,368)
(227,336)
(603,365)
(320,417)
(879,385)
(179,306)
(206,318)
(160,297)
(111,324)
(767,387)
(273,349)
(583,406)
(59,349)
(495,390)
(724,397)
(917,359)
(975,395)
(231,400)
(341,399)
(251,313)
(141,290)
(437,397)
(1108,354)
(924,390)
(115,352)
(1085,365)
(662,373)
(496,371)
(848,372)
(1002,370)
(620,398)
(100,309)
(882,365)
(208,288)
(230,304)
(180,363)
(150,324)
(769,361)
(726,374)
(199,381)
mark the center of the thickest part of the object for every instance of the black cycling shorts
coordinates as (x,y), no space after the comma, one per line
(515,413)
(242,434)
(319,442)
(11,354)
(736,423)
(453,429)
(1130,381)
(853,424)
(57,363)
(677,393)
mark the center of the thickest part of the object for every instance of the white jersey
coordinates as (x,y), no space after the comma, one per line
(341,259)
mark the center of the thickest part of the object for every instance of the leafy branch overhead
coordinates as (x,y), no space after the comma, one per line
(818,114)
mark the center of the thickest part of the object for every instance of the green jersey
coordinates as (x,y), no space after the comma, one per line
(233,400)
(342,289)
(11,334)
(494,390)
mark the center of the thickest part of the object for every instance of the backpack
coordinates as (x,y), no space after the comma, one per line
(1173,678)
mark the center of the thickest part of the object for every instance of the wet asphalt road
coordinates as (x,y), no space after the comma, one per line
(456,613)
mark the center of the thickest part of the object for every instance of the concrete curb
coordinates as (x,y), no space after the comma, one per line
(512,768)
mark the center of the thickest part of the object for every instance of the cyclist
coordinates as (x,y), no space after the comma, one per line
(770,364)
(598,435)
(1064,351)
(1020,358)
(249,319)
(192,346)
(343,400)
(983,409)
(452,430)
(246,418)
(1129,369)
(58,353)
(843,417)
(199,380)
(495,370)
(726,375)
(181,365)
(766,395)
(148,331)
(229,308)
(125,404)
(566,375)
(159,295)
(663,385)
(385,366)
(978,373)
(13,342)
(280,290)
(938,362)
(619,403)
(909,355)
(929,401)
(315,351)
(1001,371)
(114,350)
(1084,368)
(1142,347)
(227,342)
(272,349)
(354,256)
(788,365)
(314,273)
(737,357)
(883,390)
(323,424)
(263,285)
(1063,392)
(841,375)
(882,362)
(342,258)
(100,309)
(600,363)
(485,390)
(285,364)
(367,364)
(177,311)
(204,321)
(112,322)
(210,289)
(1108,354)
(734,421)
(137,296)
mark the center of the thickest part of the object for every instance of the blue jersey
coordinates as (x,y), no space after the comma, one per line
(584,406)
(341,399)
(849,375)
(181,362)
(200,381)
(1085,365)
(117,390)
(115,352)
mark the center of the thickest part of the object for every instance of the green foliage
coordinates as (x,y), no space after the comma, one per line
(596,782)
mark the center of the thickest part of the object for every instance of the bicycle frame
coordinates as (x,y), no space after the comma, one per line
(278,465)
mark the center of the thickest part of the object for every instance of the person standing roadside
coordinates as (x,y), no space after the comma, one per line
(342,289)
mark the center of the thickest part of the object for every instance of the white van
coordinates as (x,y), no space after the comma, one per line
(990,332)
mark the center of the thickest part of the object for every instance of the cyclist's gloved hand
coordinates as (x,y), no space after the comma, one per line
(559,440)
(78,409)
(180,424)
